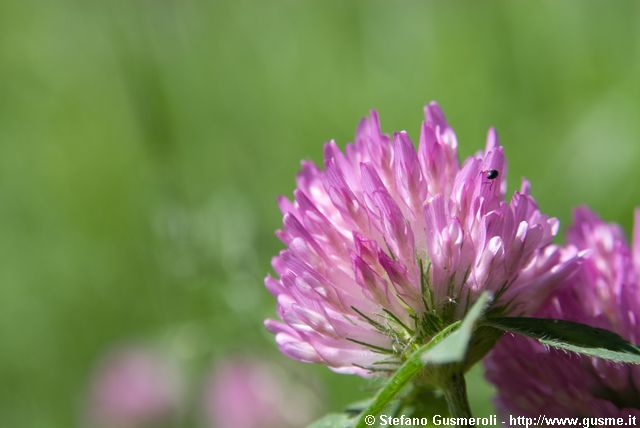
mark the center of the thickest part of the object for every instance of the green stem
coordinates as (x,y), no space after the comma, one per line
(455,393)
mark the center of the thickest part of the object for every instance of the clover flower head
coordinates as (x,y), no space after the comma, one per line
(135,387)
(387,244)
(250,393)
(605,293)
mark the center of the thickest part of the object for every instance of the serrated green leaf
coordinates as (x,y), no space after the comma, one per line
(571,336)
(334,420)
(453,348)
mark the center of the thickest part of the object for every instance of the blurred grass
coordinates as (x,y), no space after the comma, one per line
(142,145)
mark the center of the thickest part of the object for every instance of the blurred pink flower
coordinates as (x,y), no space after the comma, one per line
(533,380)
(134,387)
(386,244)
(253,394)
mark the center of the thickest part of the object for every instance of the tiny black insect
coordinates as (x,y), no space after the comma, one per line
(491,174)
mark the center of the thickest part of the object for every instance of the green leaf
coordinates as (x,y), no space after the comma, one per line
(445,353)
(571,336)
(401,377)
(422,400)
(342,420)
(453,348)
(334,420)
(357,407)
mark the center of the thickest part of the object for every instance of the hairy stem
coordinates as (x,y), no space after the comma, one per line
(455,393)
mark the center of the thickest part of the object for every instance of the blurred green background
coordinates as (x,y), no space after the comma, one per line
(143,144)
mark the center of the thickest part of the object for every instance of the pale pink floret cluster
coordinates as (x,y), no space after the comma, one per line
(135,387)
(392,234)
(250,393)
(605,293)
